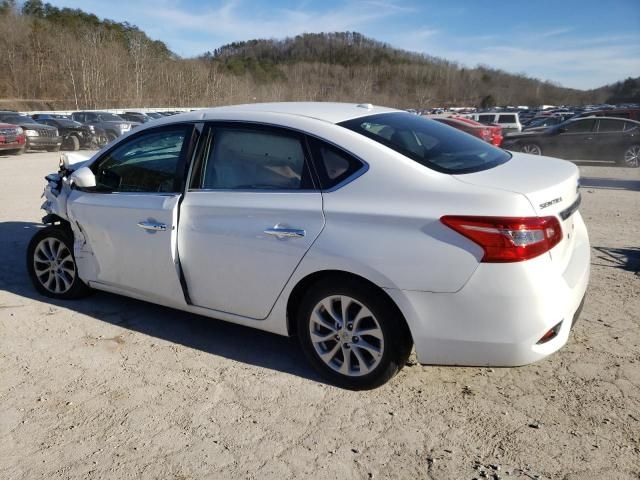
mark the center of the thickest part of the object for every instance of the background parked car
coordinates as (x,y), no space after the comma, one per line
(630,113)
(38,136)
(137,117)
(540,123)
(112,124)
(12,139)
(74,134)
(489,133)
(584,138)
(509,121)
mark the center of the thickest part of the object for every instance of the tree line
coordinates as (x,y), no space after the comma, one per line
(63,58)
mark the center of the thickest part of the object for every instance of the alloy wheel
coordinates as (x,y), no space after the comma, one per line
(346,336)
(632,156)
(54,265)
(532,149)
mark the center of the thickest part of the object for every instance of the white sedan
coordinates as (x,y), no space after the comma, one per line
(362,230)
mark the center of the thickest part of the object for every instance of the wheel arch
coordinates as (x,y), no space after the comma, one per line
(297,294)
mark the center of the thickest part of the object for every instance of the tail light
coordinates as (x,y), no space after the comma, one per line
(508,239)
(485,134)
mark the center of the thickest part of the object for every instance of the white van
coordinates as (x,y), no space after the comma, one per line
(509,121)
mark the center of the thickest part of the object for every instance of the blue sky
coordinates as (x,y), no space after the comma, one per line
(577,43)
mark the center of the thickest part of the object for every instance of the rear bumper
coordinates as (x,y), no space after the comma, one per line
(497,318)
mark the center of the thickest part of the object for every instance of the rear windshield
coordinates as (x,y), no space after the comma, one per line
(429,143)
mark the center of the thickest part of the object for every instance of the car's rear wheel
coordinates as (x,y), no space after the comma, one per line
(52,265)
(631,157)
(18,151)
(111,137)
(531,148)
(352,335)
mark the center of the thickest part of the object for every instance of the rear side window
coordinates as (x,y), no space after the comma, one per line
(506,119)
(429,143)
(486,118)
(580,126)
(333,165)
(247,159)
(607,125)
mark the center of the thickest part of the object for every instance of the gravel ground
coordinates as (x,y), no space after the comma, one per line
(110,387)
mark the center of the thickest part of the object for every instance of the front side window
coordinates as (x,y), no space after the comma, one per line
(146,163)
(109,117)
(255,159)
(429,143)
(630,126)
(580,126)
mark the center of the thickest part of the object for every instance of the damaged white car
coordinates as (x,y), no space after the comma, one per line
(362,230)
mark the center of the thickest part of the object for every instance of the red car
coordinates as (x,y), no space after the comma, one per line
(12,139)
(489,133)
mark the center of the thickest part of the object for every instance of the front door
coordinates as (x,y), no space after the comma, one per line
(251,214)
(573,141)
(129,220)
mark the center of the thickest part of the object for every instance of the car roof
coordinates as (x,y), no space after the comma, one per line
(332,112)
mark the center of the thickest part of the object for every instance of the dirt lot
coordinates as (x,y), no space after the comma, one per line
(110,387)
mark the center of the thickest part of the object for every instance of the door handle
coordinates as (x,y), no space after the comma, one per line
(282,232)
(156,227)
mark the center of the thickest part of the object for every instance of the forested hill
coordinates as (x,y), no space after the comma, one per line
(67,58)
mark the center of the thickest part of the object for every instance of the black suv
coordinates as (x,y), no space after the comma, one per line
(113,125)
(39,136)
(74,134)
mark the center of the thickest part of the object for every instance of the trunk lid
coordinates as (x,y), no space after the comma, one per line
(550,184)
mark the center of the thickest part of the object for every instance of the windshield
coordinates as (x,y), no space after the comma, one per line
(17,119)
(63,122)
(109,117)
(429,143)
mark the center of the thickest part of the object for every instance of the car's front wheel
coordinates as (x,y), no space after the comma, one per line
(52,265)
(631,157)
(352,335)
(531,148)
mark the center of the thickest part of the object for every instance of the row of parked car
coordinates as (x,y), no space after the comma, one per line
(589,134)
(52,131)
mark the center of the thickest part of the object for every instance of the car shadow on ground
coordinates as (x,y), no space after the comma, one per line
(215,337)
(610,183)
(625,258)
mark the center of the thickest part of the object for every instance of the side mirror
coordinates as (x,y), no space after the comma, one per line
(83,178)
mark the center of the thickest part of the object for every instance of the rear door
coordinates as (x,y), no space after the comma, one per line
(129,221)
(608,138)
(252,212)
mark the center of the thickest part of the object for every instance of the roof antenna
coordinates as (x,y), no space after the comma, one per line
(368,106)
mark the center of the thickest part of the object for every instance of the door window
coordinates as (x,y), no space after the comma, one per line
(580,126)
(608,125)
(146,163)
(255,159)
(486,118)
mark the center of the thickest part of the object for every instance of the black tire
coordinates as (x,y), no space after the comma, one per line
(111,137)
(53,149)
(18,151)
(396,336)
(630,157)
(72,143)
(56,234)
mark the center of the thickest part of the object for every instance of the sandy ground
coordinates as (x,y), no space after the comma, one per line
(115,388)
